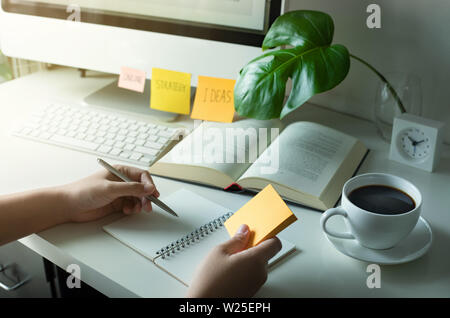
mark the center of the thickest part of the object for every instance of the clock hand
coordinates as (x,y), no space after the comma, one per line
(419,142)
(412,140)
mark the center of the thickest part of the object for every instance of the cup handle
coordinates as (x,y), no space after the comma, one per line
(328,214)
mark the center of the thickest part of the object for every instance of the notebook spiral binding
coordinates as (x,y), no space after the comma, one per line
(192,237)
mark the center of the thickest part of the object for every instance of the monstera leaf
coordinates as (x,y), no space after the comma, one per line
(311,61)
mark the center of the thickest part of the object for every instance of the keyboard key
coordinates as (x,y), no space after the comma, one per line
(130,140)
(109,142)
(119,144)
(90,138)
(136,156)
(74,142)
(80,136)
(99,140)
(71,134)
(143,129)
(115,151)
(146,159)
(120,137)
(125,154)
(110,136)
(129,147)
(147,151)
(101,133)
(139,142)
(113,130)
(45,135)
(162,140)
(166,134)
(104,149)
(154,145)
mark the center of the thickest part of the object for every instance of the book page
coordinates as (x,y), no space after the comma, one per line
(228,148)
(309,156)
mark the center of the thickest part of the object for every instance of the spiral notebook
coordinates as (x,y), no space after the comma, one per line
(178,245)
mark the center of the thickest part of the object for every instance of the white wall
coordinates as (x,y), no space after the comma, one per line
(414,38)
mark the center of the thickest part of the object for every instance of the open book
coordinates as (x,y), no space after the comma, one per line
(306,163)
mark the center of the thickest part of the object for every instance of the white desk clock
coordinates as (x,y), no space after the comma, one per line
(416,141)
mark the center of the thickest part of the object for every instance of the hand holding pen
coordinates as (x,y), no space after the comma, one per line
(150,197)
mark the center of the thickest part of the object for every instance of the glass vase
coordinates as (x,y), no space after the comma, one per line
(409,90)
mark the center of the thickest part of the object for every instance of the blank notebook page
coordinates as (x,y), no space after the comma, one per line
(148,233)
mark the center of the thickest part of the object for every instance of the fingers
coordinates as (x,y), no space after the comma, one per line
(147,179)
(131,206)
(132,189)
(238,242)
(135,174)
(265,250)
(132,173)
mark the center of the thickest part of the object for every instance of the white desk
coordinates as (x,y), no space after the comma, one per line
(316,270)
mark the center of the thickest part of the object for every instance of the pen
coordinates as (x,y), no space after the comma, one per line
(123,177)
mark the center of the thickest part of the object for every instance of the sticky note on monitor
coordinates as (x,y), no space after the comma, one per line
(266,215)
(214,100)
(170,91)
(132,79)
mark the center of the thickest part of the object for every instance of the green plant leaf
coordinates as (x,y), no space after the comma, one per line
(313,64)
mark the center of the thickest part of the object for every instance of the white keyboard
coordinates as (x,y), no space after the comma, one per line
(103,133)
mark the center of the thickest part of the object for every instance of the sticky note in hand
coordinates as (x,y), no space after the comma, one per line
(214,100)
(171,91)
(266,215)
(132,79)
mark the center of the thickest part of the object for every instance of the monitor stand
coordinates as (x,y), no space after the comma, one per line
(113,97)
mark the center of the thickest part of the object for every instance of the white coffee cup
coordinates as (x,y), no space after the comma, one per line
(372,230)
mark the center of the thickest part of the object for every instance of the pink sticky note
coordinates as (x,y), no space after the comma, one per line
(132,79)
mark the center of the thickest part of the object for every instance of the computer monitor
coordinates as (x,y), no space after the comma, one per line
(201,37)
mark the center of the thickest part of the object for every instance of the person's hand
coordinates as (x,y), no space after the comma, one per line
(231,271)
(103,193)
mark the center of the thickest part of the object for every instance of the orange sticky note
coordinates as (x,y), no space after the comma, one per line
(132,79)
(171,91)
(266,215)
(214,99)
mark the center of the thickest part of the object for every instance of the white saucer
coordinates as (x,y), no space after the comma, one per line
(410,248)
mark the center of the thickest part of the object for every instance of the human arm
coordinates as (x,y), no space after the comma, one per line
(85,200)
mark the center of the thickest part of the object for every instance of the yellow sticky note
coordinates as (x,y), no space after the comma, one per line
(171,91)
(214,99)
(266,215)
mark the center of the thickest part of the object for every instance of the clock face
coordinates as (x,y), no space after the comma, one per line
(414,144)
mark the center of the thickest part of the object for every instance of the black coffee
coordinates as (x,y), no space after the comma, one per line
(382,200)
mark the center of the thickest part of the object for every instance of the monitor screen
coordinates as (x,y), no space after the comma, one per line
(233,21)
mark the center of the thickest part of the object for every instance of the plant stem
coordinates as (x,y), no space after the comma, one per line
(389,86)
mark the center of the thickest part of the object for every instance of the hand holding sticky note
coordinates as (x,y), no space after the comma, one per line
(214,100)
(266,215)
(171,91)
